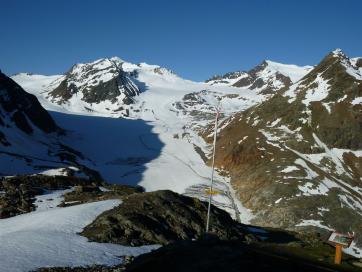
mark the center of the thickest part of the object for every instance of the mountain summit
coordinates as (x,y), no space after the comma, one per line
(94,83)
(265,78)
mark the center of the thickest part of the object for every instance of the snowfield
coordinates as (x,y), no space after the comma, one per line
(49,238)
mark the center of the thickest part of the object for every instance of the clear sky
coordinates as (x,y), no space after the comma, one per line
(194,38)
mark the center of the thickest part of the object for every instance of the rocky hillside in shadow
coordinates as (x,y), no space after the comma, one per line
(21,110)
(29,137)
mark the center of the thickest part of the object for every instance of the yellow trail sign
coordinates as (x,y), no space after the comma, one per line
(212,192)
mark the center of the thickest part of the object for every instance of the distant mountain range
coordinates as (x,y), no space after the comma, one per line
(266,77)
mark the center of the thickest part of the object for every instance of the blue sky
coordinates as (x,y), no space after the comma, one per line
(196,39)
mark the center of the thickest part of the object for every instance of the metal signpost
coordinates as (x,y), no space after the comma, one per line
(210,191)
(340,240)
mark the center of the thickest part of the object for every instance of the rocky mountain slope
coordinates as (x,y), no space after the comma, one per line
(295,159)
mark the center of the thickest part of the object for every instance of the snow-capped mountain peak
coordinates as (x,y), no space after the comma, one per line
(338,53)
(102,82)
(265,78)
(292,71)
(335,79)
(89,74)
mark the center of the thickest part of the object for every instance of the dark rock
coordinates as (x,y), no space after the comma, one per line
(159,217)
(217,255)
(19,192)
(91,193)
(359,63)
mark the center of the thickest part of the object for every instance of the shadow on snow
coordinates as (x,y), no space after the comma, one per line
(117,148)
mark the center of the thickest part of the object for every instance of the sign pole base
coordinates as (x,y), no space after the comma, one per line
(338,257)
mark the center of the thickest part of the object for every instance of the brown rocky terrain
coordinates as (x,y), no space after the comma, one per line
(295,159)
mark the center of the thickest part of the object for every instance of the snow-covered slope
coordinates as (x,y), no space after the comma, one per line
(49,238)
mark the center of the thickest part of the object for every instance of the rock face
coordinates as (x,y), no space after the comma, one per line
(22,110)
(295,159)
(96,82)
(159,218)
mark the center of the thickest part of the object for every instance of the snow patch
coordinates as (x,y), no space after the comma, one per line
(50,238)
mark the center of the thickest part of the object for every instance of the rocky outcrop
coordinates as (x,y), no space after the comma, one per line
(91,192)
(17,193)
(159,217)
(16,199)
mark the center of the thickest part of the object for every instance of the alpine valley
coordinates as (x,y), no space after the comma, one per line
(78,150)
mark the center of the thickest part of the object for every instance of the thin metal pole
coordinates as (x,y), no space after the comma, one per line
(212,173)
